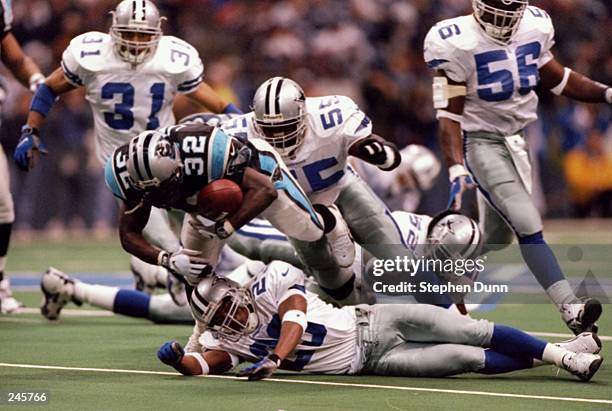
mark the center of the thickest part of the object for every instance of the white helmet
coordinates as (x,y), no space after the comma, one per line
(224,307)
(499,18)
(154,165)
(135,16)
(279,106)
(451,235)
(420,165)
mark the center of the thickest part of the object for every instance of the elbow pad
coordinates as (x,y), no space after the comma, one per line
(442,91)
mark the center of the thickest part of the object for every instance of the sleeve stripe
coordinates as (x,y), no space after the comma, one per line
(435,63)
(73,78)
(364,123)
(186,85)
(298,287)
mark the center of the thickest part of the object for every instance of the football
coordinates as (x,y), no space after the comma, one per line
(218,197)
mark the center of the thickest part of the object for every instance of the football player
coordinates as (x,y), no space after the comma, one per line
(131,76)
(487,65)
(315,137)
(168,168)
(259,241)
(274,322)
(27,72)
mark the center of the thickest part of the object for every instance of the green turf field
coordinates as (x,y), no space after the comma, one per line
(114,345)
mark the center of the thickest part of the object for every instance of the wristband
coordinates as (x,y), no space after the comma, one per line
(232,109)
(203,364)
(609,95)
(455,171)
(43,100)
(275,358)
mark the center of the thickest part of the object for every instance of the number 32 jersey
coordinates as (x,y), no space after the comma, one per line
(320,164)
(127,99)
(329,344)
(500,78)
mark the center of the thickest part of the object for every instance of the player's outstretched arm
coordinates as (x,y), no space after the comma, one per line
(376,150)
(292,312)
(22,66)
(208,362)
(30,144)
(207,97)
(564,81)
(131,225)
(450,110)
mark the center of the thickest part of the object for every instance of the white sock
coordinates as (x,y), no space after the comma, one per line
(561,293)
(97,295)
(553,354)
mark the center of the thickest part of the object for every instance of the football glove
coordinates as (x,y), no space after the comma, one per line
(461,181)
(29,147)
(186,263)
(384,155)
(261,369)
(171,353)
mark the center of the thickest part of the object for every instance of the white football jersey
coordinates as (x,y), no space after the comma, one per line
(414,230)
(329,344)
(320,164)
(127,99)
(500,78)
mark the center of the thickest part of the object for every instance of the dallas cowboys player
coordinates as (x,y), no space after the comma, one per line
(131,76)
(487,65)
(275,322)
(27,72)
(315,136)
(259,241)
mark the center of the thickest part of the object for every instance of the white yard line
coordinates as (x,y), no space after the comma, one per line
(328,383)
(560,335)
(73,313)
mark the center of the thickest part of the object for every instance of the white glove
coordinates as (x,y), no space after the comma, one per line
(187,263)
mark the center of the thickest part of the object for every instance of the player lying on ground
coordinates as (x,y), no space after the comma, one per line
(257,240)
(487,66)
(275,322)
(168,168)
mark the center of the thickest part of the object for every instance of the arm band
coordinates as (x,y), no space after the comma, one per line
(447,114)
(232,109)
(558,89)
(203,364)
(43,100)
(609,95)
(455,171)
(296,316)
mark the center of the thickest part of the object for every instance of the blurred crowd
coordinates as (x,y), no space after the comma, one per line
(369,50)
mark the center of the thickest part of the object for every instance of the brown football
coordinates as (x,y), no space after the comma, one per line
(219,196)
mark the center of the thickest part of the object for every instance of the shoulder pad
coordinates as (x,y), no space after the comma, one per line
(92,50)
(536,18)
(239,127)
(448,36)
(328,114)
(176,55)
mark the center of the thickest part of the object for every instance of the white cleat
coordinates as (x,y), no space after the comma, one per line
(148,277)
(8,303)
(58,290)
(340,240)
(586,342)
(582,365)
(581,316)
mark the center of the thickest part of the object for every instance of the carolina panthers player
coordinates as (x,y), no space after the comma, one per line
(487,65)
(260,242)
(401,188)
(315,137)
(275,322)
(131,76)
(169,167)
(28,74)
